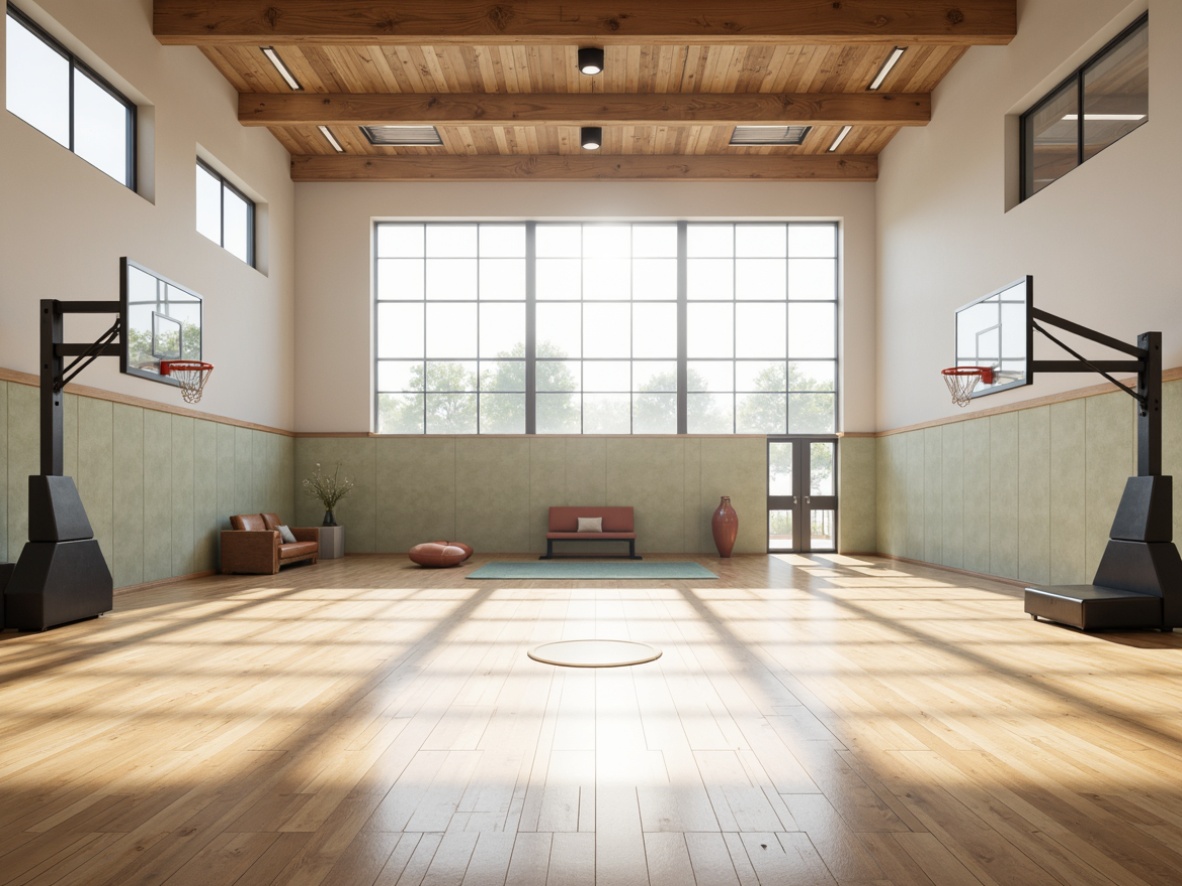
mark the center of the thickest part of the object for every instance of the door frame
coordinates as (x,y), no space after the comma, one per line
(801,502)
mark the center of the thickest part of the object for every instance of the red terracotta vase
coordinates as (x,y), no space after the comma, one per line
(725,525)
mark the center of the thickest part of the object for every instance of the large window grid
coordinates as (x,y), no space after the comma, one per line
(52,90)
(654,328)
(1104,100)
(607,328)
(761,328)
(450,330)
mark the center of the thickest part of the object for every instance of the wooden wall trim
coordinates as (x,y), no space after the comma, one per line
(33,381)
(1173,374)
(27,378)
(981,576)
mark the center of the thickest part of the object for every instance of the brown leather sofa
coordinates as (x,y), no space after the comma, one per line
(253,545)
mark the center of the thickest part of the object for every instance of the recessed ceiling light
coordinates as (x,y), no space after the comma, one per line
(332,140)
(273,57)
(407,136)
(590,59)
(769,135)
(845,130)
(591,137)
(890,62)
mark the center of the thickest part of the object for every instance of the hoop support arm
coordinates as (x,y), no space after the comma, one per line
(55,374)
(1086,365)
(1147,365)
(1090,366)
(1084,332)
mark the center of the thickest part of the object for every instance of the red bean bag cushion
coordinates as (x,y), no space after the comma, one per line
(434,555)
(467,549)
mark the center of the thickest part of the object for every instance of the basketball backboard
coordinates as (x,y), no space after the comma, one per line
(161,321)
(996,331)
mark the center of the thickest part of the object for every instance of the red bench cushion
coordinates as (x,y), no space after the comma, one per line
(615,520)
(590,536)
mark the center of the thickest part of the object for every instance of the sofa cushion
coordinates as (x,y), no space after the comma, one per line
(298,549)
(285,534)
(271,521)
(252,522)
(590,524)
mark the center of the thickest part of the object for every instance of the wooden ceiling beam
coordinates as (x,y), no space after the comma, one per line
(811,167)
(362,109)
(598,22)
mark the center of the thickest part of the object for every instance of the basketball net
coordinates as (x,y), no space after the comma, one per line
(191,375)
(963,380)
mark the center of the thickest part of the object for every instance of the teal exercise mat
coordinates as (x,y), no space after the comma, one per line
(573,570)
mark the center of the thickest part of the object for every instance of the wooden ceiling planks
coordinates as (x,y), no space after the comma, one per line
(500,80)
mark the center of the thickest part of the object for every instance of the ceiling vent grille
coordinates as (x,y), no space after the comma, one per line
(402,135)
(769,135)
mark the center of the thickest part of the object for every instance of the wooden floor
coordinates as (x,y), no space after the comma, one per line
(813,720)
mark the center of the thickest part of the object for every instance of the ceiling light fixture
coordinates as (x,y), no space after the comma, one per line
(890,62)
(591,137)
(845,130)
(590,59)
(1074,118)
(273,57)
(327,133)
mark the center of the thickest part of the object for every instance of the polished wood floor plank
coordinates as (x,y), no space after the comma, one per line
(813,719)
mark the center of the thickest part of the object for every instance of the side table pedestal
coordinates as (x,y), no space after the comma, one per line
(332,542)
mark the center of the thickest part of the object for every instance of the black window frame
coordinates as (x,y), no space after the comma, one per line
(1076,80)
(227,185)
(78,65)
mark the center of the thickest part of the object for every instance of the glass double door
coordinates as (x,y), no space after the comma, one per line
(802,494)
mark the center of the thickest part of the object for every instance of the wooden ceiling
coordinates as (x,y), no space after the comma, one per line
(499,81)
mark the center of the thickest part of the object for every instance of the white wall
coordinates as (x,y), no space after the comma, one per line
(334,266)
(1102,242)
(64,224)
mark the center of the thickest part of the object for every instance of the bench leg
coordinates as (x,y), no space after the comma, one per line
(632,550)
(549,555)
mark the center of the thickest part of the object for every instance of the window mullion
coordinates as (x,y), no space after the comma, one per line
(682,328)
(73,75)
(531,327)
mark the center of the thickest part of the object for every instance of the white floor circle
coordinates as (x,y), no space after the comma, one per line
(594,653)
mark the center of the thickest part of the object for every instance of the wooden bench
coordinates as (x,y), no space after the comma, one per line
(617,525)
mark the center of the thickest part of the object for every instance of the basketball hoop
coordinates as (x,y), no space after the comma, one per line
(191,375)
(962,381)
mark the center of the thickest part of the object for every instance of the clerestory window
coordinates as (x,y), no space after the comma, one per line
(52,90)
